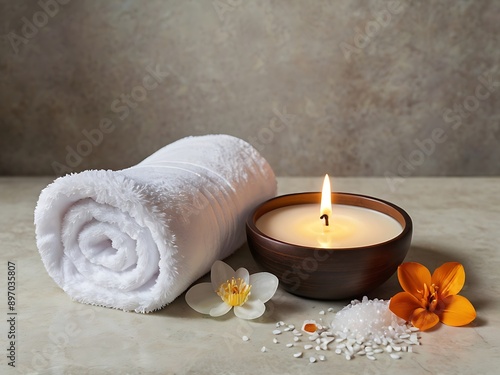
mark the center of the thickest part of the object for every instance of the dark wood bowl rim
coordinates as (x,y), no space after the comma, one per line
(365,201)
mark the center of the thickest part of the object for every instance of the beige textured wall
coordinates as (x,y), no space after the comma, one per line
(357,87)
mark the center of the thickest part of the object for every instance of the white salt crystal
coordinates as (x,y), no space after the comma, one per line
(276,332)
(298,355)
(312,359)
(275,340)
(263,349)
(327,340)
(314,336)
(245,338)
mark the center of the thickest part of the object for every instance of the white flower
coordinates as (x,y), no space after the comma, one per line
(227,289)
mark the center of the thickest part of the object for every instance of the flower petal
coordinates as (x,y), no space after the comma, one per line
(220,309)
(202,298)
(220,273)
(412,277)
(424,319)
(404,304)
(251,309)
(243,274)
(264,285)
(450,279)
(458,311)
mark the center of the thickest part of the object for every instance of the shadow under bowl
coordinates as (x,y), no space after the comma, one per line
(329,274)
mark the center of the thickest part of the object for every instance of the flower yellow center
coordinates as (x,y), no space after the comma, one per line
(430,297)
(234,292)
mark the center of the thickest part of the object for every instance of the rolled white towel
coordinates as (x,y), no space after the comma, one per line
(136,239)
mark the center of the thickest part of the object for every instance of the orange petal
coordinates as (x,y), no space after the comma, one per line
(412,277)
(450,279)
(458,311)
(424,319)
(403,305)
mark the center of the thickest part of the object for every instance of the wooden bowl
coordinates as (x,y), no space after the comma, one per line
(331,274)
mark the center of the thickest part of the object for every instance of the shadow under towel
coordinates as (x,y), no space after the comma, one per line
(136,239)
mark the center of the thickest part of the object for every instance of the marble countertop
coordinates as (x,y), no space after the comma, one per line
(455,219)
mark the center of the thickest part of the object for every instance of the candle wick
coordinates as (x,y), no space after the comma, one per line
(325,216)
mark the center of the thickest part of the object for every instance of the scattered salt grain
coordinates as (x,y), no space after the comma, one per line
(322,312)
(296,339)
(307,347)
(245,338)
(322,358)
(298,355)
(276,332)
(289,345)
(263,349)
(312,359)
(395,356)
(275,340)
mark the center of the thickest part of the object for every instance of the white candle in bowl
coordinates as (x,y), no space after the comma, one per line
(331,226)
(350,226)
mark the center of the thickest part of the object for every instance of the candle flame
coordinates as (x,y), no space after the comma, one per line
(326,198)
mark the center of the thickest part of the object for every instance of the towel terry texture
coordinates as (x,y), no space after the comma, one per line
(135,239)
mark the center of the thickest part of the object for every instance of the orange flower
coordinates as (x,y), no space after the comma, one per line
(427,299)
